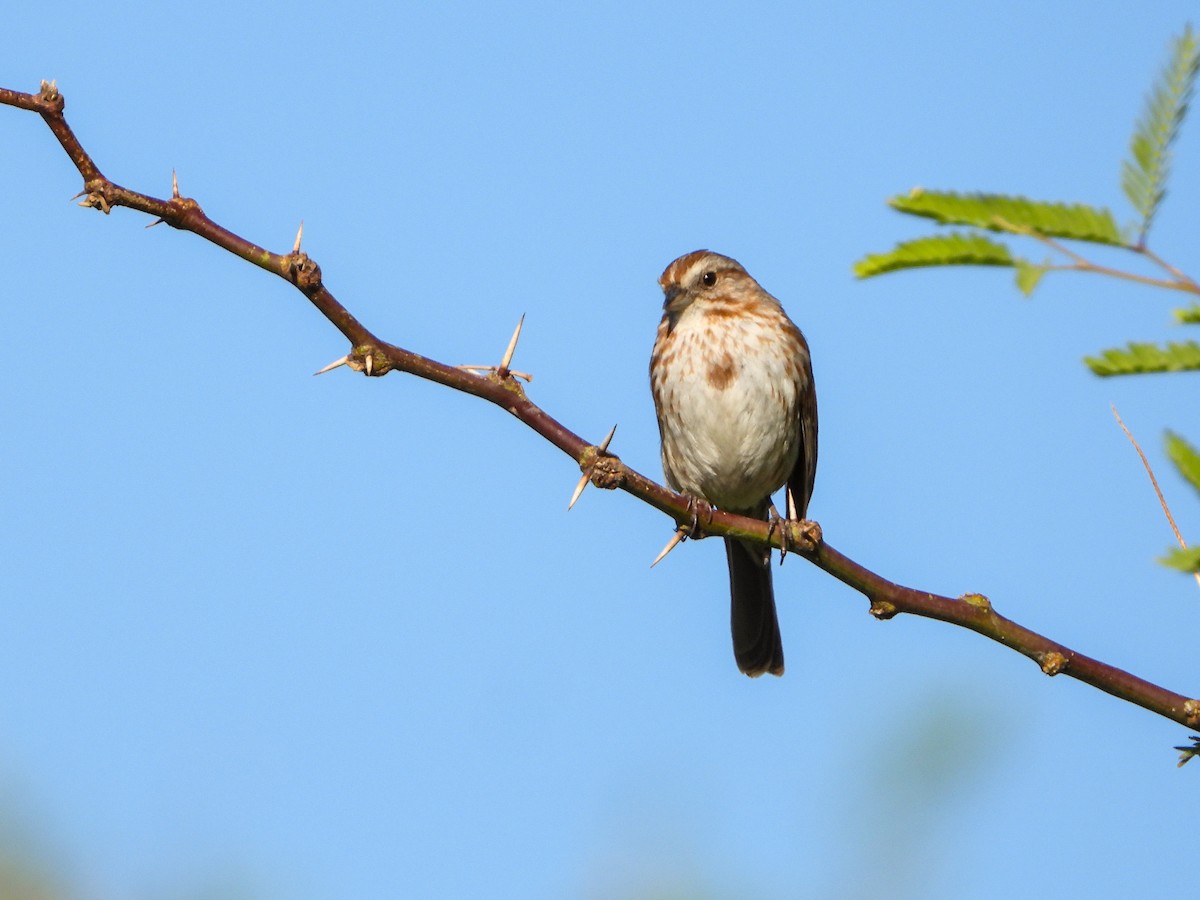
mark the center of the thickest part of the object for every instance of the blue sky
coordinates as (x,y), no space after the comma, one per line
(267,635)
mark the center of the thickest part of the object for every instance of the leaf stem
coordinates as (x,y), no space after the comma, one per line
(1081,263)
(1166,266)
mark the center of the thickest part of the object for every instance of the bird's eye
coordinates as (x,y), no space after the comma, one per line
(709,279)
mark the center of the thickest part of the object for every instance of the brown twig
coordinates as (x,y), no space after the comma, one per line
(375,357)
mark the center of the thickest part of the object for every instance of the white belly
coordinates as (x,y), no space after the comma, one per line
(735,439)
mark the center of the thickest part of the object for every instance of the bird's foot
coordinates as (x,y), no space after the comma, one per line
(698,508)
(776,522)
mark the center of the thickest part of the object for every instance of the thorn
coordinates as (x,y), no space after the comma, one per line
(512,347)
(608,440)
(174,185)
(156,222)
(81,193)
(479,370)
(333,365)
(299,235)
(675,541)
(583,482)
(94,200)
(587,476)
(368,363)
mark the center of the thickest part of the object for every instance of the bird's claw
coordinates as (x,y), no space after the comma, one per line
(697,507)
(776,522)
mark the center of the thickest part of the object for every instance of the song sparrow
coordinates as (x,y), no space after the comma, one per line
(737,412)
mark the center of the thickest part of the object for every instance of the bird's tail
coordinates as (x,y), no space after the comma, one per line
(757,646)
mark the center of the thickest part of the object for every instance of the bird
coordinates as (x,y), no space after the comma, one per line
(733,390)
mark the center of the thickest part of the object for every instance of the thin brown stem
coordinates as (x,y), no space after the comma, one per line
(1162,501)
(1167,267)
(1125,276)
(1080,263)
(375,357)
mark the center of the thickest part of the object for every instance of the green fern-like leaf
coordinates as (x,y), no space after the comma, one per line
(1184,560)
(954,249)
(1019,215)
(1028,275)
(1189,315)
(1140,359)
(1144,174)
(1185,457)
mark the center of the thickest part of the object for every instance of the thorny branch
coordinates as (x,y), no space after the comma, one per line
(375,357)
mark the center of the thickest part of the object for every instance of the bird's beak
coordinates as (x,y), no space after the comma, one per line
(672,302)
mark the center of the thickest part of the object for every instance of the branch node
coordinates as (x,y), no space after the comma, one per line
(363,358)
(502,374)
(803,536)
(1191,713)
(587,463)
(510,384)
(371,360)
(304,273)
(608,473)
(883,609)
(95,199)
(978,601)
(50,96)
(1053,663)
